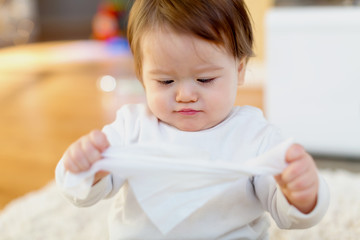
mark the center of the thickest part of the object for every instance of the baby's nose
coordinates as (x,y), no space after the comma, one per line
(186,93)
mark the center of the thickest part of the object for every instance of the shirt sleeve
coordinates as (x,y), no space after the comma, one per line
(117,133)
(284,214)
(100,190)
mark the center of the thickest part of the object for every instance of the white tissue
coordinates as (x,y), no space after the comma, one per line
(172,182)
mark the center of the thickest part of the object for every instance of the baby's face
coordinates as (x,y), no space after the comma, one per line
(190,84)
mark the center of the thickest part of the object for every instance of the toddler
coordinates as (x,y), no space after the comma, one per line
(190,57)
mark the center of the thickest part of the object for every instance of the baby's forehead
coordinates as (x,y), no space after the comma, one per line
(173,43)
(169,39)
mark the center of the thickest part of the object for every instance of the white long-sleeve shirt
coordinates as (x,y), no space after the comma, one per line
(238,213)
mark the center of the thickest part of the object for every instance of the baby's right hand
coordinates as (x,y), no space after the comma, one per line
(84,152)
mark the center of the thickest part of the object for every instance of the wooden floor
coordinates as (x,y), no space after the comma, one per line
(47,102)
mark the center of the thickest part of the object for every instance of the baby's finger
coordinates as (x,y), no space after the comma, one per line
(302,182)
(303,195)
(69,163)
(90,151)
(99,140)
(78,157)
(294,170)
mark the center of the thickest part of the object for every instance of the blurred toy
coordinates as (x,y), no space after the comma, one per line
(110,20)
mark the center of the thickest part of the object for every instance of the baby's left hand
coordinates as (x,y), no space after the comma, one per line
(299,181)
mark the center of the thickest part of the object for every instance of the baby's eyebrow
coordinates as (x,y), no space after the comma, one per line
(160,72)
(197,69)
(209,68)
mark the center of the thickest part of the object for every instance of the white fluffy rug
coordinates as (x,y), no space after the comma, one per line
(44,214)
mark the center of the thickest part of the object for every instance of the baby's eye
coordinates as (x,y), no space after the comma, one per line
(166,82)
(205,80)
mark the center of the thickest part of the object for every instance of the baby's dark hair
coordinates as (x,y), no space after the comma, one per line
(224,22)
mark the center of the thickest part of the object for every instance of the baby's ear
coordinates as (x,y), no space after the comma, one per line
(241,68)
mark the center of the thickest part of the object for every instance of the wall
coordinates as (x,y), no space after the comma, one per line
(258,10)
(65,19)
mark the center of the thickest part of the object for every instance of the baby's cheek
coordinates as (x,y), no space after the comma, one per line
(159,106)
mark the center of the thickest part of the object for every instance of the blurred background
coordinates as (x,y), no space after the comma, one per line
(25,21)
(65,67)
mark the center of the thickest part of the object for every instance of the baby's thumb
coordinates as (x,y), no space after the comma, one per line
(294,152)
(99,140)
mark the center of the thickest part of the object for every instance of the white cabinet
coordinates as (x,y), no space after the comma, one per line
(312,87)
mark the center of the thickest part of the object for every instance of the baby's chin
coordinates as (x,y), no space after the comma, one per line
(191,127)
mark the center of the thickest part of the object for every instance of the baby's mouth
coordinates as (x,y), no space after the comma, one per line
(188,111)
